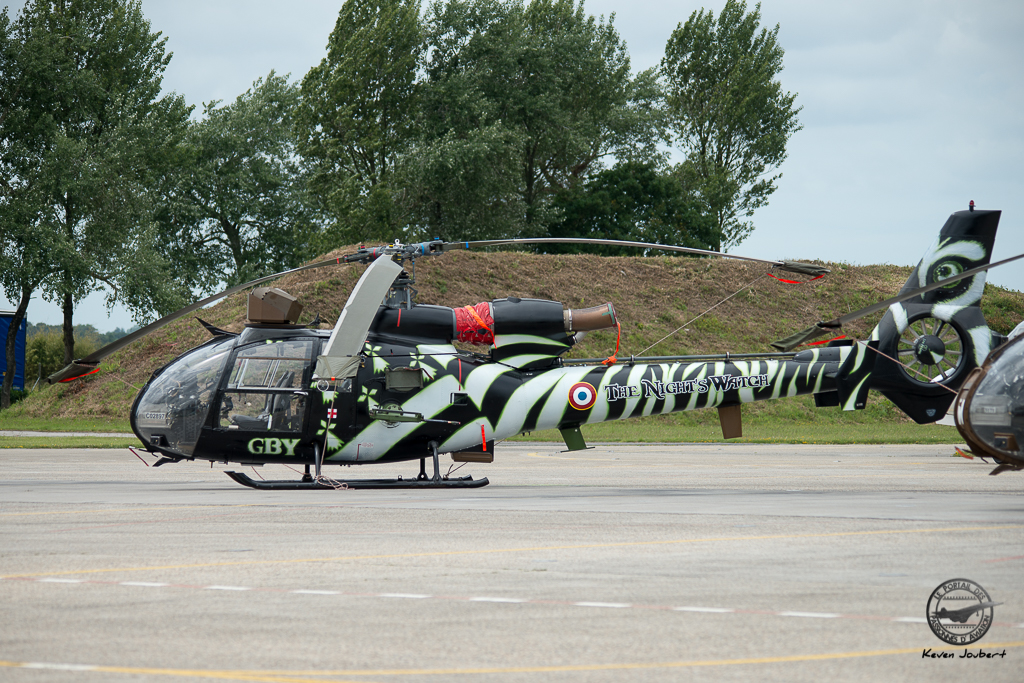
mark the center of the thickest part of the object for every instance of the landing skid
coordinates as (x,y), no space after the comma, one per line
(422,481)
(459,483)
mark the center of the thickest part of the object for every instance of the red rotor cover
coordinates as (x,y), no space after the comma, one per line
(474,324)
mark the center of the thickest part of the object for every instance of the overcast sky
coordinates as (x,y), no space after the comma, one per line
(910,110)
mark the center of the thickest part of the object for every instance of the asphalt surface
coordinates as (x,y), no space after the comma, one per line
(622,563)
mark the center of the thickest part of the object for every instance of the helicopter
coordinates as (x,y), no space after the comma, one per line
(989,408)
(387,384)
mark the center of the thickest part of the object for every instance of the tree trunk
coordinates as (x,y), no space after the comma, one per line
(12,339)
(69,329)
(234,237)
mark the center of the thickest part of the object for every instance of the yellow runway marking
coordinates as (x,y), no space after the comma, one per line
(527,549)
(302,676)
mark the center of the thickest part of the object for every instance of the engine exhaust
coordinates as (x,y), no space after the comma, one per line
(587,319)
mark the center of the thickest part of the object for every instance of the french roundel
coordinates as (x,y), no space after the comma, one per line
(582,396)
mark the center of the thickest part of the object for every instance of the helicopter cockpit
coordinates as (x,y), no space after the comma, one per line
(263,392)
(989,410)
(171,411)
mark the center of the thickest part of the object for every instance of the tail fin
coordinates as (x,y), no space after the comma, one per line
(941,335)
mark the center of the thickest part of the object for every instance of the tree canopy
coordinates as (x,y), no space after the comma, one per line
(526,101)
(633,202)
(237,206)
(729,112)
(356,116)
(91,133)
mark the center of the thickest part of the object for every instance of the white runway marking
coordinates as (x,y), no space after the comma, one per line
(491,600)
(144,584)
(58,667)
(618,605)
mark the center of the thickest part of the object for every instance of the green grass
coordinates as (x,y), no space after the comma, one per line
(18,423)
(68,442)
(639,432)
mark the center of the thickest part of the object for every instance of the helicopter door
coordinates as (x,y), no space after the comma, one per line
(264,390)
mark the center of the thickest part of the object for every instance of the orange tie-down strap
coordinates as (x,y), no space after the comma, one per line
(474,324)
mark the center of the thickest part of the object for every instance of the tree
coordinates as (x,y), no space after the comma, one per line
(631,201)
(237,207)
(356,117)
(543,90)
(24,264)
(28,247)
(730,114)
(91,136)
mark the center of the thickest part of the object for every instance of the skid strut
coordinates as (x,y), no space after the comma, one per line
(422,481)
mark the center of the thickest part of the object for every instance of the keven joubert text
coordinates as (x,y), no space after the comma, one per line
(659,389)
(967,654)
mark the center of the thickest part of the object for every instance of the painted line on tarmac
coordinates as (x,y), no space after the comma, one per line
(526,549)
(140,508)
(1006,559)
(501,600)
(302,676)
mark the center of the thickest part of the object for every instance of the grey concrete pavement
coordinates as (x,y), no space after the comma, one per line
(622,563)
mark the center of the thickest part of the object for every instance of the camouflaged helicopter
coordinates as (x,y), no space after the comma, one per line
(387,384)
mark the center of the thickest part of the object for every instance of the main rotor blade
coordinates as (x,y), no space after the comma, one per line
(436,247)
(87,365)
(824,327)
(792,266)
(340,355)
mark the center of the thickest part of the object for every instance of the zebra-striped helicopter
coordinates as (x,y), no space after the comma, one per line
(388,384)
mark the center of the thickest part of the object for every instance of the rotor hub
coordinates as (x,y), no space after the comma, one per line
(929,349)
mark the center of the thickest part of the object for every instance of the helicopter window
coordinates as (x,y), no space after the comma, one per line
(267,366)
(175,404)
(264,411)
(263,391)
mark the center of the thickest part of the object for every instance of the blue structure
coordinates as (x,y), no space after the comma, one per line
(6,317)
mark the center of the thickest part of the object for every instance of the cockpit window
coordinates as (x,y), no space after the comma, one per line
(274,365)
(174,407)
(264,390)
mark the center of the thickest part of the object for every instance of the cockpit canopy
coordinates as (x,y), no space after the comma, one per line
(990,408)
(262,391)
